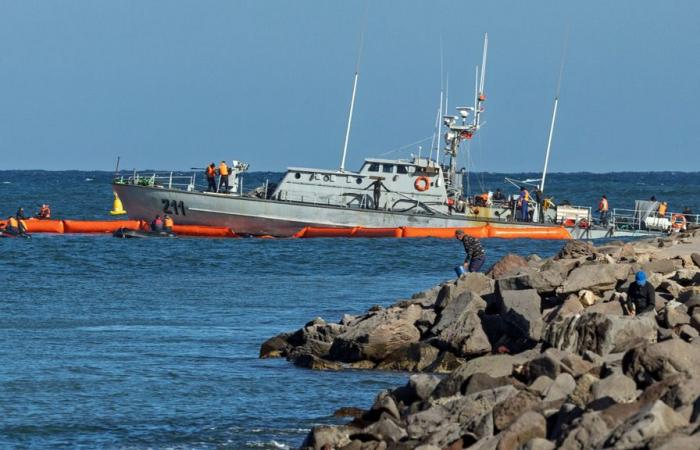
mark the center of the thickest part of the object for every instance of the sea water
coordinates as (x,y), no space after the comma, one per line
(140,344)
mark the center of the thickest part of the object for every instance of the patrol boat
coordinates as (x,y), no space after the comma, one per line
(420,192)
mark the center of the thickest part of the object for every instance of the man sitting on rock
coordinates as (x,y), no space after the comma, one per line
(640,295)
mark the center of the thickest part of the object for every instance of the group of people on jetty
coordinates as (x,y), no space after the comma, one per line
(16,224)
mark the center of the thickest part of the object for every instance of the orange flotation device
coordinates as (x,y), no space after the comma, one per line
(422,184)
(678,222)
(44,226)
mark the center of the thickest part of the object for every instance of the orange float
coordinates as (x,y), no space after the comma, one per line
(529,233)
(44,226)
(318,232)
(378,232)
(444,233)
(98,226)
(202,231)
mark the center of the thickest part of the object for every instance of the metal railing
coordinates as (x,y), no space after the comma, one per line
(631,219)
(170,180)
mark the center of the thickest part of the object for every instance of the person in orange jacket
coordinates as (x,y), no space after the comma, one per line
(223,174)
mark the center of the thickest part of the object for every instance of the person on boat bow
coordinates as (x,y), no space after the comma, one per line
(603,210)
(157,224)
(223,176)
(168,224)
(476,256)
(211,177)
(44,212)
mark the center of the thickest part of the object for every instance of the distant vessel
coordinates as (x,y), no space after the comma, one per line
(384,193)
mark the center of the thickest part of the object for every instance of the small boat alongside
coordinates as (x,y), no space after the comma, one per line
(127,233)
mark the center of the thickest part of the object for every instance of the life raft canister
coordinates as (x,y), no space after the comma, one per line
(678,222)
(422,184)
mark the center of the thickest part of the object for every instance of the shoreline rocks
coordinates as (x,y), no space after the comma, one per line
(537,354)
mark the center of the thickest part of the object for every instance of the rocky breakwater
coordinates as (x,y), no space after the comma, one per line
(536,354)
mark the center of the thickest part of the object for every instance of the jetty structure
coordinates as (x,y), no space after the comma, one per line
(535,354)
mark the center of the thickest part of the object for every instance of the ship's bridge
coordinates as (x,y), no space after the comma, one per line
(400,185)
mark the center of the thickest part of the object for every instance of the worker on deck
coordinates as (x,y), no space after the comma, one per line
(168,224)
(603,210)
(211,177)
(663,207)
(498,196)
(377,186)
(522,204)
(44,212)
(223,176)
(641,297)
(475,252)
(157,224)
(688,213)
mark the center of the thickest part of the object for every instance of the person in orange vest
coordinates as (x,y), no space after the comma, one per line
(663,207)
(223,173)
(168,224)
(603,210)
(157,224)
(211,177)
(44,212)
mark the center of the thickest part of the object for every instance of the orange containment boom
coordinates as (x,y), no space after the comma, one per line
(560,233)
(44,226)
(202,231)
(98,226)
(482,232)
(445,233)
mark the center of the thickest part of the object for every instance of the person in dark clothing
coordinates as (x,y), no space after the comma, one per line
(157,224)
(476,256)
(20,214)
(377,186)
(641,297)
(498,196)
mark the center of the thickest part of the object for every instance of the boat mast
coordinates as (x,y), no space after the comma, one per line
(554,117)
(354,91)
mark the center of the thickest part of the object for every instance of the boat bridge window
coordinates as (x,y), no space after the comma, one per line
(374,167)
(401,169)
(388,168)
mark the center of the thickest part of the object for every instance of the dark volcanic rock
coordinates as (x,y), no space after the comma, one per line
(575,249)
(521,310)
(508,265)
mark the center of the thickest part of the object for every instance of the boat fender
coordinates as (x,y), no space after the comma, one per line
(422,184)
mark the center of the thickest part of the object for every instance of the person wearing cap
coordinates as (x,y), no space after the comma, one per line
(641,297)
(475,252)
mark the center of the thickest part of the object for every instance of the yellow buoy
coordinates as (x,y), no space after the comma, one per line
(117,208)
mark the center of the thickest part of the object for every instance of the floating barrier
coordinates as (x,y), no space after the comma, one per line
(445,233)
(98,226)
(202,231)
(560,233)
(482,232)
(44,226)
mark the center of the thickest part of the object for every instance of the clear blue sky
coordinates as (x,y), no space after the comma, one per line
(175,84)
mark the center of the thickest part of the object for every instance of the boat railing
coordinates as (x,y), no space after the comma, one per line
(170,180)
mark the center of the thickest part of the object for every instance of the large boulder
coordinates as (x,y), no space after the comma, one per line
(544,281)
(528,426)
(493,365)
(646,364)
(576,249)
(316,337)
(458,325)
(508,265)
(662,266)
(378,335)
(595,277)
(655,419)
(616,387)
(600,333)
(521,310)
(415,357)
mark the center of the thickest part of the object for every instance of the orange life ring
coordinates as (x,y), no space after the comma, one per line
(678,222)
(422,184)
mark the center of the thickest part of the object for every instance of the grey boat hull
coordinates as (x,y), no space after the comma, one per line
(254,216)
